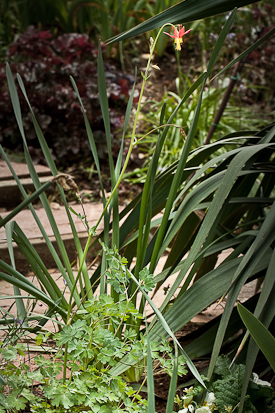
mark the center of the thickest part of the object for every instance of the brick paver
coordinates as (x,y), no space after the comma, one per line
(30,228)
(28,224)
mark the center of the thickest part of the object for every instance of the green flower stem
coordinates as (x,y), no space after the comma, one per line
(65,363)
(133,142)
(121,322)
(158,127)
(179,68)
(133,138)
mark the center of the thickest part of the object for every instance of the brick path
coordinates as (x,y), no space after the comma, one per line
(92,211)
(28,225)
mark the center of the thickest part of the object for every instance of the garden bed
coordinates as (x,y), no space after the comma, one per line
(195,239)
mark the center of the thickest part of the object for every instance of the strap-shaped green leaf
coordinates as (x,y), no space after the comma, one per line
(51,164)
(168,331)
(15,278)
(259,332)
(2,380)
(21,311)
(173,384)
(183,12)
(66,273)
(150,376)
(246,52)
(255,254)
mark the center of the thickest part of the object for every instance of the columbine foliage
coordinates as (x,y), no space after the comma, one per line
(92,350)
(119,275)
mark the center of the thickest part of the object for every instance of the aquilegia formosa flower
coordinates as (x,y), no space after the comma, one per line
(178,35)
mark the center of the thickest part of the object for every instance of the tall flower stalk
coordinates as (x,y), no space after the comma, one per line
(133,142)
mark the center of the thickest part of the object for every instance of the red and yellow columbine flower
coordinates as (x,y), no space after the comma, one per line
(178,35)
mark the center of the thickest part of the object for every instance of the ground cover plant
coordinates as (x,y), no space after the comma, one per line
(94,347)
(209,204)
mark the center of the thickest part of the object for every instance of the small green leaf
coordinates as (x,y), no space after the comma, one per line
(39,340)
(20,403)
(61,396)
(106,299)
(20,351)
(104,409)
(28,395)
(9,353)
(228,389)
(148,279)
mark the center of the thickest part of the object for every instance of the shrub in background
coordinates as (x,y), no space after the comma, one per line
(46,64)
(103,18)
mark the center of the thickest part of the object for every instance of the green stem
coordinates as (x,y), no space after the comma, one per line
(180,76)
(158,127)
(65,363)
(132,144)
